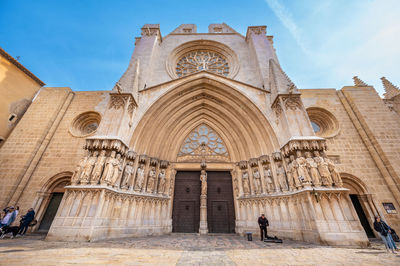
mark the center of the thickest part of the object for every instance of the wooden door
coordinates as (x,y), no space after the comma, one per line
(220,209)
(51,211)
(186,208)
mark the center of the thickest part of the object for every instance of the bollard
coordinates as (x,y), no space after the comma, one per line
(249,236)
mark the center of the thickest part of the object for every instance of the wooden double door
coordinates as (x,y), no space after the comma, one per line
(220,208)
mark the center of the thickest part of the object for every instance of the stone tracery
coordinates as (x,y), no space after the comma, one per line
(203,142)
(199,60)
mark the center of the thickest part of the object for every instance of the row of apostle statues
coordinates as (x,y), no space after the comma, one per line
(292,173)
(114,171)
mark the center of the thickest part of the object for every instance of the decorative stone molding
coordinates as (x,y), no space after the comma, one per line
(242,164)
(264,159)
(122,100)
(256,30)
(277,156)
(85,124)
(106,144)
(164,164)
(204,45)
(154,161)
(143,158)
(149,30)
(309,143)
(327,122)
(253,162)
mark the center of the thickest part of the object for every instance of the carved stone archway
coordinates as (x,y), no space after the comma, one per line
(52,185)
(358,187)
(207,100)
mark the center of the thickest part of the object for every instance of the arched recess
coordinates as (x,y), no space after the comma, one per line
(50,196)
(362,201)
(242,126)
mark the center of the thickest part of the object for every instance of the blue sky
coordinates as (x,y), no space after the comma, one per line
(87,44)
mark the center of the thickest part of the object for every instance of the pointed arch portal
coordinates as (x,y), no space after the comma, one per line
(204,100)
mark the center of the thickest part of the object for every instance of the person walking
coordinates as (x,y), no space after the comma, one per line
(263,223)
(9,218)
(26,220)
(385,231)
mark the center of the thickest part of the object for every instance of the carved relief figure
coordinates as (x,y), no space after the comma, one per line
(313,168)
(257,181)
(302,169)
(323,169)
(161,182)
(127,174)
(88,168)
(152,179)
(269,182)
(139,178)
(289,174)
(203,179)
(109,169)
(337,180)
(246,184)
(293,166)
(98,168)
(78,171)
(117,171)
(280,173)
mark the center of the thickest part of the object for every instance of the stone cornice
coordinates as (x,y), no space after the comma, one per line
(21,67)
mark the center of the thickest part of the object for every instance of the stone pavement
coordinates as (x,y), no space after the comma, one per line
(187,249)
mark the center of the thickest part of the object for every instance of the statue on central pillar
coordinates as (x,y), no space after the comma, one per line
(203,202)
(203,179)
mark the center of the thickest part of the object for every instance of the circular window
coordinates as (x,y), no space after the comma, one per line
(195,56)
(85,124)
(202,60)
(323,122)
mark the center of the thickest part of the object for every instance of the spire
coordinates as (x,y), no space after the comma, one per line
(280,83)
(359,83)
(390,89)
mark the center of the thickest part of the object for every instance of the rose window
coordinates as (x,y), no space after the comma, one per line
(202,60)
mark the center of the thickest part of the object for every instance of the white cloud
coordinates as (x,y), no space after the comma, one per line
(359,38)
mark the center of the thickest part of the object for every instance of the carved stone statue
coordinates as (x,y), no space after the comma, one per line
(257,181)
(280,173)
(115,181)
(337,180)
(323,169)
(87,170)
(293,166)
(161,181)
(246,184)
(289,175)
(127,175)
(109,169)
(269,182)
(236,186)
(151,181)
(78,171)
(313,168)
(302,169)
(203,179)
(98,168)
(139,178)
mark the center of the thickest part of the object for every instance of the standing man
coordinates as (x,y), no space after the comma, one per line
(263,223)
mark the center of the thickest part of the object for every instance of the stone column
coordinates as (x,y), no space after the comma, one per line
(203,203)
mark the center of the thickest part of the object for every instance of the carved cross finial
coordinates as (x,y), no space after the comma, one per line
(390,89)
(359,83)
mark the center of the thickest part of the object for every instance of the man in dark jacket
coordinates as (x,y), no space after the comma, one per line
(26,220)
(263,223)
(385,232)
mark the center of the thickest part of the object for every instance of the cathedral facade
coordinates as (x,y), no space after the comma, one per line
(202,134)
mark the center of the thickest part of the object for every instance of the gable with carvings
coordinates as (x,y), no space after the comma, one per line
(203,142)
